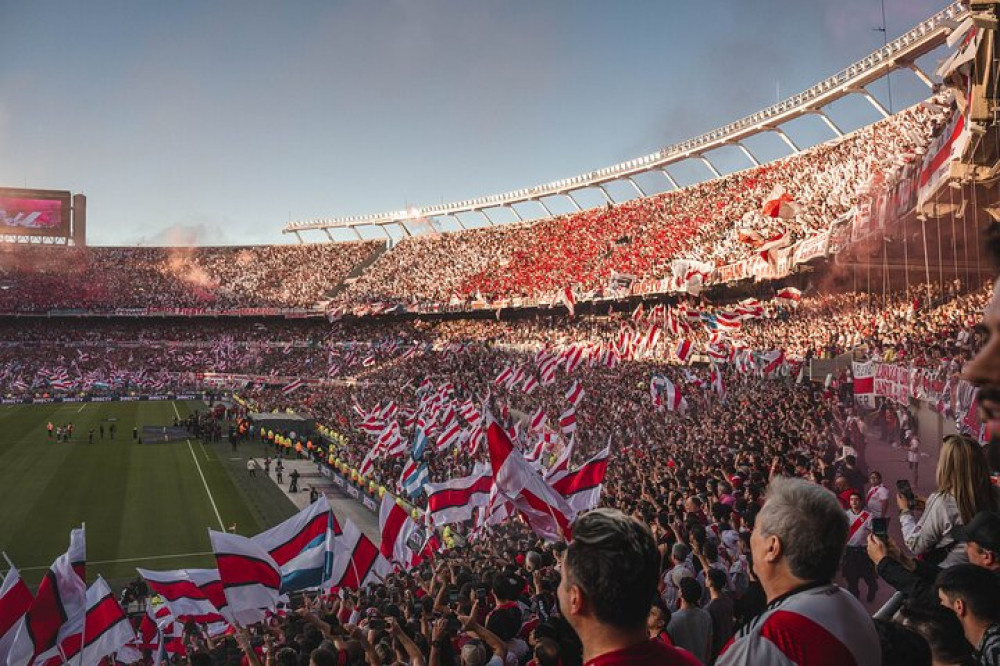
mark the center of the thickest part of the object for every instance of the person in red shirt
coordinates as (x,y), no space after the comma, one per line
(609,581)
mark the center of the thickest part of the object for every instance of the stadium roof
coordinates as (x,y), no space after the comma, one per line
(900,53)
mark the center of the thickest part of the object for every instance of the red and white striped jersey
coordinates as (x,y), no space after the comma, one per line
(859,526)
(815,626)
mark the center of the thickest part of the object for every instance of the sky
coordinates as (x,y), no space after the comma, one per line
(216,123)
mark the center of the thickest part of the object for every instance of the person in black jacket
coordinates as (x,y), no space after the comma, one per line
(916,578)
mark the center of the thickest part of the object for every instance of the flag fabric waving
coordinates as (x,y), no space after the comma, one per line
(298,546)
(357,561)
(582,487)
(106,630)
(546,512)
(15,600)
(454,501)
(402,537)
(58,609)
(251,579)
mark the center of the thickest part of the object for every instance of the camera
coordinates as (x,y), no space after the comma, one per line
(880,528)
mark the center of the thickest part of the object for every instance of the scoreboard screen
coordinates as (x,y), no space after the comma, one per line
(34,212)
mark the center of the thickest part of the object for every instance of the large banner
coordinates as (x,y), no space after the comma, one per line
(864,384)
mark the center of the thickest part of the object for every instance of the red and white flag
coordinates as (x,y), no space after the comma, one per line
(530,384)
(575,393)
(567,297)
(400,534)
(454,501)
(292,386)
(773,360)
(186,593)
(789,296)
(357,561)
(546,512)
(582,487)
(251,579)
(452,436)
(15,600)
(864,383)
(780,204)
(561,465)
(106,630)
(567,421)
(58,608)
(538,420)
(684,350)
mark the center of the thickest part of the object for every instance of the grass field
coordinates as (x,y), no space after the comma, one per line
(147,505)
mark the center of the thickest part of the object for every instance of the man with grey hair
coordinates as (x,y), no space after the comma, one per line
(797,542)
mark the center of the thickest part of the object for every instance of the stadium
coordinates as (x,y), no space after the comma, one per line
(629,416)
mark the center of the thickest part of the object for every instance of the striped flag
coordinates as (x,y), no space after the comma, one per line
(58,608)
(251,579)
(185,592)
(415,475)
(684,350)
(666,394)
(538,419)
(455,500)
(546,512)
(106,630)
(402,537)
(298,546)
(292,386)
(575,393)
(15,600)
(357,561)
(530,384)
(582,487)
(567,421)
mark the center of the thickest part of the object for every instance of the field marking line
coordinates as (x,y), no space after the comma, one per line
(81,408)
(127,559)
(211,499)
(202,445)
(173,403)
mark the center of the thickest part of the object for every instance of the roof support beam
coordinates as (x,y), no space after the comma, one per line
(386,232)
(670,178)
(406,229)
(459,220)
(784,137)
(874,102)
(328,234)
(357,233)
(516,214)
(636,186)
(921,75)
(544,207)
(483,213)
(829,123)
(606,195)
(299,237)
(570,197)
(711,167)
(749,155)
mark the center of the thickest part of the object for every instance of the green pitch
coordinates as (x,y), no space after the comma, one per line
(148,505)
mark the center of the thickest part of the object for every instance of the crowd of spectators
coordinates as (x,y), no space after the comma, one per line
(37,278)
(709,222)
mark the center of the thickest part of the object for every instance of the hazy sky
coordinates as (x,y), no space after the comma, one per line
(216,122)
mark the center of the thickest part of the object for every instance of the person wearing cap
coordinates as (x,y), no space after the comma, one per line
(856,562)
(915,577)
(608,585)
